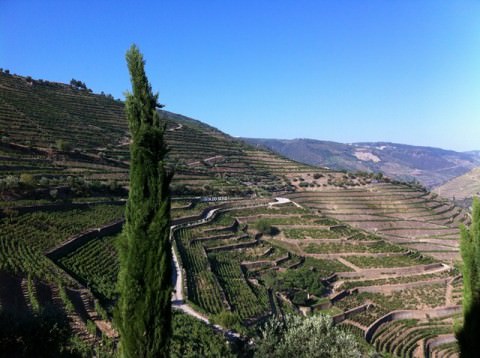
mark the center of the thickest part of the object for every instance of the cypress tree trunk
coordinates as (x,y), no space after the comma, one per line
(143,313)
(469,335)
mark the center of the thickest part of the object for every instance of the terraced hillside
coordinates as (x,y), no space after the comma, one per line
(461,188)
(376,256)
(401,214)
(246,260)
(428,165)
(243,261)
(256,259)
(61,131)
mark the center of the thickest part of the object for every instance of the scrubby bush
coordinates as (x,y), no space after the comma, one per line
(291,281)
(263,226)
(192,338)
(299,337)
(53,194)
(63,145)
(300,298)
(10,182)
(78,84)
(27,179)
(227,319)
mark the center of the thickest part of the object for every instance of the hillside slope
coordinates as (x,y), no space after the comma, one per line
(354,246)
(430,166)
(61,131)
(463,187)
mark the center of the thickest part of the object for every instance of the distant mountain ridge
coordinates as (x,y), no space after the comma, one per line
(430,166)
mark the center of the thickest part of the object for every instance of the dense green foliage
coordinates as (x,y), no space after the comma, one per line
(470,249)
(24,238)
(311,337)
(203,288)
(297,284)
(96,265)
(245,299)
(264,227)
(144,308)
(192,338)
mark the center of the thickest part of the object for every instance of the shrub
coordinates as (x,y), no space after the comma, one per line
(264,227)
(300,298)
(192,338)
(63,145)
(27,179)
(227,319)
(53,194)
(78,84)
(314,336)
(11,182)
(91,327)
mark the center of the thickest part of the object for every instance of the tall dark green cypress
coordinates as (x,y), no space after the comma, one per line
(469,334)
(143,312)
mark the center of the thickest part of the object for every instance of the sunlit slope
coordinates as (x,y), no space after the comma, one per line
(355,246)
(428,165)
(402,214)
(63,126)
(462,187)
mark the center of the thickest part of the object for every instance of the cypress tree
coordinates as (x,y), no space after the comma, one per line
(469,335)
(143,312)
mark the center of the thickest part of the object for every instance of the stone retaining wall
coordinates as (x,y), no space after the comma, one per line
(339,296)
(256,264)
(410,314)
(232,227)
(56,207)
(401,286)
(281,260)
(196,218)
(437,341)
(242,245)
(351,312)
(401,271)
(213,237)
(296,264)
(78,240)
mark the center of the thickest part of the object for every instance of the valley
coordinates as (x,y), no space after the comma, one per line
(254,234)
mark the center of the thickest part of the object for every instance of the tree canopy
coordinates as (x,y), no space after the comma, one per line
(468,335)
(299,337)
(143,313)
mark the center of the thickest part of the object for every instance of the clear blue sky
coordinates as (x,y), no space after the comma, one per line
(405,71)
